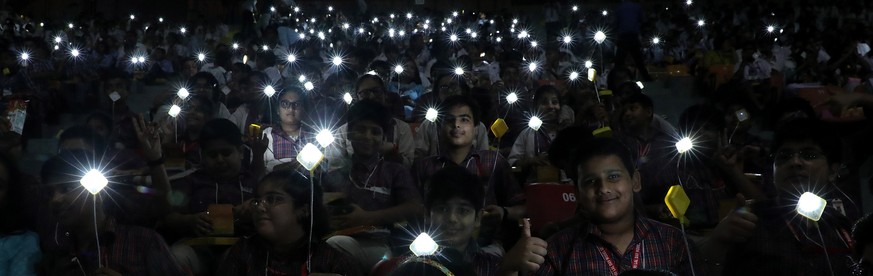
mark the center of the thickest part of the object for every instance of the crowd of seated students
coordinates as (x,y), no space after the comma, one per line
(220,187)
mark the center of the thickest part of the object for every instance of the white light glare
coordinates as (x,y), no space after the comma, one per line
(201,57)
(453,37)
(511,98)
(599,37)
(309,156)
(700,23)
(684,145)
(174,111)
(535,123)
(291,58)
(811,206)
(337,61)
(656,40)
(640,84)
(459,71)
(567,39)
(183,93)
(94,181)
(347,97)
(235,46)
(574,75)
(269,91)
(74,52)
(770,29)
(423,245)
(532,66)
(309,86)
(398,69)
(25,56)
(324,138)
(431,115)
(589,64)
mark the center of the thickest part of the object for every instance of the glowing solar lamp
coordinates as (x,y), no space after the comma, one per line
(347,97)
(183,93)
(684,145)
(324,138)
(535,123)
(423,245)
(599,37)
(567,39)
(308,86)
(174,111)
(431,115)
(201,57)
(459,71)
(337,60)
(574,75)
(811,206)
(771,28)
(589,64)
(656,40)
(94,182)
(511,98)
(640,84)
(398,69)
(592,74)
(309,157)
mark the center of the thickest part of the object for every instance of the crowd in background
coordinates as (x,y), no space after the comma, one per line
(445,123)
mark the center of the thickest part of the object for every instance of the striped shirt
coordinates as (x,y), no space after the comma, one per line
(579,250)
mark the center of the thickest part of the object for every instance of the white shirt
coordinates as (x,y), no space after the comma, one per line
(269,158)
(238,117)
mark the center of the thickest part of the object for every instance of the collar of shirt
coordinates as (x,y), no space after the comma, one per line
(446,159)
(642,228)
(367,166)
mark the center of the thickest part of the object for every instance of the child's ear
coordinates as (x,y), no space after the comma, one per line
(636,181)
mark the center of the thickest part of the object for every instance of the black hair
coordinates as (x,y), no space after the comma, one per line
(812,130)
(369,110)
(565,145)
(13,221)
(204,75)
(86,134)
(700,116)
(221,129)
(365,77)
(639,98)
(102,117)
(543,90)
(65,166)
(454,181)
(861,235)
(462,100)
(602,147)
(205,106)
(301,190)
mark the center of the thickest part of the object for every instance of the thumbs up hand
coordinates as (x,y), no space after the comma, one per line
(526,256)
(737,226)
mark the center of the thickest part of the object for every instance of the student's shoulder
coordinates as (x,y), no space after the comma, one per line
(657,229)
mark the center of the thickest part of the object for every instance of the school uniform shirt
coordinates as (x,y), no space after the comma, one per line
(195,192)
(580,250)
(373,185)
(282,148)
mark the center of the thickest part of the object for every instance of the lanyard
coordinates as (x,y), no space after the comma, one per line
(842,233)
(613,268)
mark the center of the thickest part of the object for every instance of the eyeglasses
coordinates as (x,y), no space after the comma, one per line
(807,155)
(269,200)
(289,105)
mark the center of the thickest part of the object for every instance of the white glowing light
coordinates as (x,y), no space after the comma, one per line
(337,61)
(183,93)
(402,33)
(656,40)
(296,9)
(515,21)
(269,91)
(431,115)
(535,123)
(265,48)
(301,78)
(499,39)
(273,9)
(132,17)
(58,39)
(235,46)
(201,57)
(408,15)
(291,58)
(599,37)
(25,56)
(324,138)
(391,32)
(575,8)
(684,145)
(183,30)
(310,156)
(474,35)
(534,44)
(70,25)
(423,245)
(604,13)
(454,14)
(347,97)
(468,31)
(398,69)
(700,23)
(453,37)
(523,34)
(161,19)
(811,206)
(770,29)
(174,111)
(309,86)
(330,8)
(689,2)
(140,59)
(134,60)
(511,98)
(532,66)
(345,26)
(74,52)
(94,181)
(567,39)
(459,71)
(640,84)
(574,75)
(592,73)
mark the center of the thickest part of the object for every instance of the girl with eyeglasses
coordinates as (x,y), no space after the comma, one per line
(288,137)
